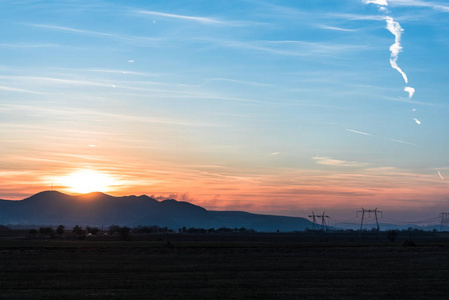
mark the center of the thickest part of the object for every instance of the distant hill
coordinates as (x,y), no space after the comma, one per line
(97,209)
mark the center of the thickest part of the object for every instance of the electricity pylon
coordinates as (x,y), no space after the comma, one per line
(443,215)
(369,211)
(315,225)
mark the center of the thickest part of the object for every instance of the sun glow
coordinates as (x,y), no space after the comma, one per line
(86,181)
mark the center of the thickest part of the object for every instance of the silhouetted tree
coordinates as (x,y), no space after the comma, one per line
(60,230)
(33,232)
(124,232)
(93,230)
(392,235)
(78,230)
(46,231)
(113,229)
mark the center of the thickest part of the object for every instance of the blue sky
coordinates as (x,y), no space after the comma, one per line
(265,106)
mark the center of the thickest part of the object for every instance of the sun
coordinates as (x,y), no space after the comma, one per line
(86,181)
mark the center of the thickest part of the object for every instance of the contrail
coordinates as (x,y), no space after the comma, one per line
(441,176)
(359,132)
(410,91)
(384,138)
(396,30)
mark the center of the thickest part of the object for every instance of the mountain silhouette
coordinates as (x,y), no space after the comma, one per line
(97,209)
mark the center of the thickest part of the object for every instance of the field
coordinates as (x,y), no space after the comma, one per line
(226,266)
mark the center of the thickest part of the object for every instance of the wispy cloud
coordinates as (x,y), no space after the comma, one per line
(204,20)
(70,29)
(147,41)
(336,28)
(239,81)
(12,89)
(378,2)
(75,113)
(325,160)
(420,3)
(291,47)
(27,46)
(357,17)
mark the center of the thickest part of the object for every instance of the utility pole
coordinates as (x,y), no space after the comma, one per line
(369,211)
(443,215)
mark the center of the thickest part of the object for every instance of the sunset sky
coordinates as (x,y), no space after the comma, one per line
(277,107)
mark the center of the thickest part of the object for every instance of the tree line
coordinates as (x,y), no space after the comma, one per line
(125,232)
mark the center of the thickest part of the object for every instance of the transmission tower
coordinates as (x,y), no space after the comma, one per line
(369,211)
(323,223)
(314,223)
(443,215)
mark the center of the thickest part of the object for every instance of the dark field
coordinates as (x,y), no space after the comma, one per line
(253,266)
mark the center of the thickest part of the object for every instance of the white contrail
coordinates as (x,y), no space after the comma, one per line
(384,138)
(396,29)
(359,132)
(441,176)
(410,91)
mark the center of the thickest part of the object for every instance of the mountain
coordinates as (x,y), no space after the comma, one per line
(97,209)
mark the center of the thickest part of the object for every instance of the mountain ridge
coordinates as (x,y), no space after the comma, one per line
(98,209)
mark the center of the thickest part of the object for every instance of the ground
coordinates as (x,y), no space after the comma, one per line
(220,266)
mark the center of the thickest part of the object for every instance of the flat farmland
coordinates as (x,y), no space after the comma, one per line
(224,267)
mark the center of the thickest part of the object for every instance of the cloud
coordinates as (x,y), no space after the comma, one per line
(291,47)
(410,91)
(126,38)
(325,160)
(420,3)
(396,30)
(11,89)
(69,29)
(203,20)
(336,28)
(378,2)
(77,114)
(28,46)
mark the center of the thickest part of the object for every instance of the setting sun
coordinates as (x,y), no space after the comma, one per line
(86,181)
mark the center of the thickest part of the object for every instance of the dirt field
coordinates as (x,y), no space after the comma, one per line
(225,267)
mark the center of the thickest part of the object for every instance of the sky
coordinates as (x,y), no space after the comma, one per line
(274,107)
